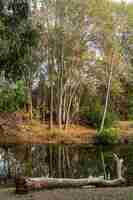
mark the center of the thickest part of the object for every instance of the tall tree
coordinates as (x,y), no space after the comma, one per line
(21,37)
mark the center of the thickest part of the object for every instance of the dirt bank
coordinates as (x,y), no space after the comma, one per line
(72,194)
(16,128)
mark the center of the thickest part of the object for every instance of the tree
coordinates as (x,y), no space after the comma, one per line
(65,47)
(108,37)
(21,59)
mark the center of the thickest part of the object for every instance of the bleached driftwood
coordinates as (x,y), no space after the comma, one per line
(119,163)
(43,182)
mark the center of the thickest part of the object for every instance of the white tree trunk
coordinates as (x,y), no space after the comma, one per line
(107,97)
(70,104)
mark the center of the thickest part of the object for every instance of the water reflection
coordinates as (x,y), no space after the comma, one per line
(75,161)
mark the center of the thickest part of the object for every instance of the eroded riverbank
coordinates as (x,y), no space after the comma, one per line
(124,193)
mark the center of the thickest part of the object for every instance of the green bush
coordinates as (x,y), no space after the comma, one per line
(108,136)
(110,118)
(12,97)
(130,107)
(94,118)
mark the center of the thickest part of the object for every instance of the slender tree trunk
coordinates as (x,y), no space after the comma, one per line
(60,97)
(31,107)
(60,103)
(61,68)
(30,7)
(51,106)
(29,101)
(107,96)
(50,57)
(50,66)
(68,113)
(64,107)
(42,103)
(60,113)
(42,112)
(69,105)
(76,110)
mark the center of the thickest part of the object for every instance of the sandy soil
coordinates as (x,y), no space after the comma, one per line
(15,128)
(72,194)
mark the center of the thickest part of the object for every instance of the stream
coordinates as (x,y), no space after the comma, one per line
(64,161)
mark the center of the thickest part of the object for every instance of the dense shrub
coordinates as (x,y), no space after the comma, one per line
(12,97)
(94,118)
(130,107)
(108,136)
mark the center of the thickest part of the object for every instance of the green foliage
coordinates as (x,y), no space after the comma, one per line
(19,61)
(108,136)
(12,98)
(94,116)
(19,40)
(60,40)
(130,106)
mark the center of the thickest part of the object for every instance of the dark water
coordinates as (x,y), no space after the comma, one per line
(74,161)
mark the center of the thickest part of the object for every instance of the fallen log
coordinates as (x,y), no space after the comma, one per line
(38,183)
(27,184)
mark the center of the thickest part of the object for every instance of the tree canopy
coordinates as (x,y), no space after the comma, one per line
(74,58)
